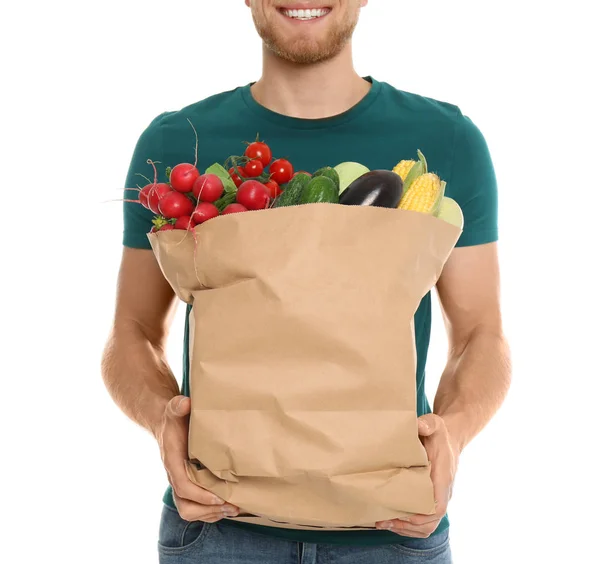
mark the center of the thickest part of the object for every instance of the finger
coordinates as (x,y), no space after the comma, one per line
(441,493)
(175,456)
(198,509)
(419,520)
(403,527)
(178,406)
(398,528)
(429,424)
(191,511)
(441,473)
(182,486)
(415,521)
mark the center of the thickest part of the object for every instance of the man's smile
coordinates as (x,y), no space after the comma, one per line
(304,14)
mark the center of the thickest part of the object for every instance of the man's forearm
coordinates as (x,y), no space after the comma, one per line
(137,376)
(473,385)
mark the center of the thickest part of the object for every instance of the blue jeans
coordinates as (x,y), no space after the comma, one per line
(196,542)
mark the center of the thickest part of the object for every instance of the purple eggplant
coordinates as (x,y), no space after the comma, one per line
(381,188)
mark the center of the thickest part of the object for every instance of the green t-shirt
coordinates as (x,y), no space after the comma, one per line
(386,126)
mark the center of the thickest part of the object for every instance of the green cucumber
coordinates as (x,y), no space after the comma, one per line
(329,172)
(292,193)
(321,189)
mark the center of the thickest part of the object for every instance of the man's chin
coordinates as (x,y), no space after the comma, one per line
(303,51)
(304,57)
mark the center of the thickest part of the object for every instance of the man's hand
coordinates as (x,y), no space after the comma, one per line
(444,460)
(193,502)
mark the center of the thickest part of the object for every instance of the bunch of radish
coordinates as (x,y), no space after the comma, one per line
(190,198)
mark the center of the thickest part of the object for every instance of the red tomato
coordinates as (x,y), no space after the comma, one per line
(273,189)
(174,205)
(208,188)
(253,168)
(236,179)
(204,211)
(234,208)
(167,227)
(253,195)
(281,171)
(260,151)
(157,193)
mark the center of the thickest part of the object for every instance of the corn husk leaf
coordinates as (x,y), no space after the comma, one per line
(413,174)
(422,160)
(436,207)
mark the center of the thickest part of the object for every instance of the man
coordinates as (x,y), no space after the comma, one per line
(310,104)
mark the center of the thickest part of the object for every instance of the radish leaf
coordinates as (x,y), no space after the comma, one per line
(222,173)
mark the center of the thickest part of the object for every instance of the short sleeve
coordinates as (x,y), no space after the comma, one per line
(473,184)
(137,220)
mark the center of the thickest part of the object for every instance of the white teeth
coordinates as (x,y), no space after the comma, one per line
(305,14)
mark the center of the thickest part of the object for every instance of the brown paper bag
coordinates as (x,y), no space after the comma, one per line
(303,359)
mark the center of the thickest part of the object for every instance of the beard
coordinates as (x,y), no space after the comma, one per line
(305,50)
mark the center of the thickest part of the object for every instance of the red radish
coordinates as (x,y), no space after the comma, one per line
(234,208)
(184,222)
(143,195)
(167,227)
(183,177)
(253,168)
(174,205)
(273,188)
(204,211)
(236,179)
(208,188)
(253,195)
(157,193)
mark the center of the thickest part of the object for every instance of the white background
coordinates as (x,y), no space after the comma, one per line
(81,482)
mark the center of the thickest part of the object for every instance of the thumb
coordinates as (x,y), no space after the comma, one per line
(179,406)
(428,424)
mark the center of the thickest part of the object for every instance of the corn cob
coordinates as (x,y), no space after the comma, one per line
(424,194)
(403,168)
(410,170)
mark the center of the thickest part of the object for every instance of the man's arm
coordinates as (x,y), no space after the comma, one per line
(139,380)
(134,366)
(475,380)
(478,372)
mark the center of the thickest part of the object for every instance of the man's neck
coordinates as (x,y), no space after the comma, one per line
(309,91)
